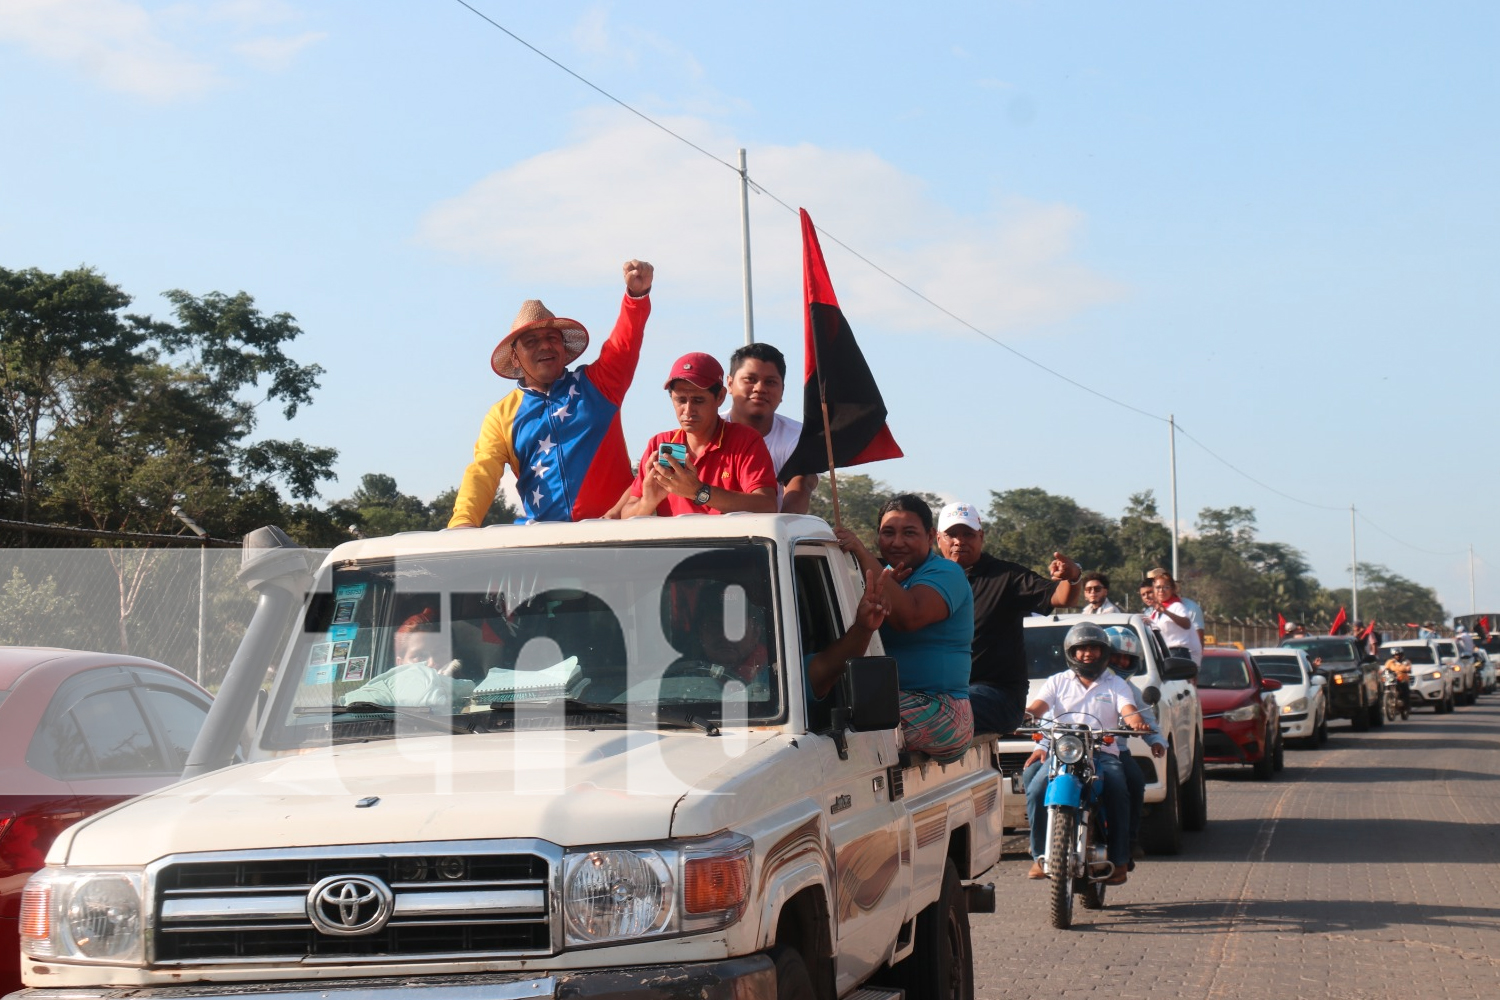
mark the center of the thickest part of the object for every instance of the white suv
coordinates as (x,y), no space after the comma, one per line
(1431,683)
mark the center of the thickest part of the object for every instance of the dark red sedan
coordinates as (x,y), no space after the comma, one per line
(1241,722)
(79,732)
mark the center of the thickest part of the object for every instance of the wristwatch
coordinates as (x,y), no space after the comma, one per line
(701,498)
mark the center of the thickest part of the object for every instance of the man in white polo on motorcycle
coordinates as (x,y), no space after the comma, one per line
(1087,692)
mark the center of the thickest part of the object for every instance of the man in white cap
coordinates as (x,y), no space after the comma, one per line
(1005,593)
(558,430)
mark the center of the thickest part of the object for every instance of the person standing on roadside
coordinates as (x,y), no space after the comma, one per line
(1096,595)
(558,430)
(757,380)
(1005,593)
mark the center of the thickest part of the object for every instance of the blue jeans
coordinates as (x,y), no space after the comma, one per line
(1136,782)
(995,711)
(1116,807)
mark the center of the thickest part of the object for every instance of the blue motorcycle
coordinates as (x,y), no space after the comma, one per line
(1075,861)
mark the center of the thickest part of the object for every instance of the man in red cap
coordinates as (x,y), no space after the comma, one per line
(559,430)
(723,467)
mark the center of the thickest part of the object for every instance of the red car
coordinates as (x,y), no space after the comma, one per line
(1241,721)
(79,732)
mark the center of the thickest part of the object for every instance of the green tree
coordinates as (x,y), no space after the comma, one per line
(36,614)
(1144,543)
(1027,525)
(1390,600)
(860,500)
(501,511)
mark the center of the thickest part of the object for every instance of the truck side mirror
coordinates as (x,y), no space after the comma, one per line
(1152,694)
(872,692)
(1179,668)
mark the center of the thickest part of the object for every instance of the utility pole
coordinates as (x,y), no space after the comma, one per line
(1172,456)
(745,247)
(202,581)
(1473,604)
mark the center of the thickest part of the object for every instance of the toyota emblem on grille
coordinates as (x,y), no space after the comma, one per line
(349,904)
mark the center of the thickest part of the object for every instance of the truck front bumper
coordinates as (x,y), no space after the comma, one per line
(752,977)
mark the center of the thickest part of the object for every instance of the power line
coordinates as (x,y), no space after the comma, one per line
(1241,472)
(1432,552)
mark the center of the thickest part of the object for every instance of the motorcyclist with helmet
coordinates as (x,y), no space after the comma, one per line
(1399,665)
(1087,692)
(1126,661)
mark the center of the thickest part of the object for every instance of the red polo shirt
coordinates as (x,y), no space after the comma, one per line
(736,459)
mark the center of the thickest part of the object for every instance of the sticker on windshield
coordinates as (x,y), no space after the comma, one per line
(343,611)
(340,651)
(342,633)
(319,654)
(355,669)
(322,674)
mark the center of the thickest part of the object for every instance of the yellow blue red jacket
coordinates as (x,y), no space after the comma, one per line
(565,446)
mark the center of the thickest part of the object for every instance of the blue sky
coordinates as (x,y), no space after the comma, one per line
(1276,221)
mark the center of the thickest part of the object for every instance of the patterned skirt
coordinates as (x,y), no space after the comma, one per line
(939,725)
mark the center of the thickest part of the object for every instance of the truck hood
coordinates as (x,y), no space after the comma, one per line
(569,787)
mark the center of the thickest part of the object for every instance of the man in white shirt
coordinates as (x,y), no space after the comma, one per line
(1091,693)
(757,380)
(1096,595)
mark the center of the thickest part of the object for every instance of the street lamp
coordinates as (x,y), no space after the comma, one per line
(202,579)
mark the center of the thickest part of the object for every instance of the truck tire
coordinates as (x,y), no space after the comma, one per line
(1377,715)
(793,981)
(941,964)
(1064,831)
(1161,832)
(1361,718)
(1195,795)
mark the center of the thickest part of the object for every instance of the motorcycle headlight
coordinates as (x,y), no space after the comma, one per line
(1294,706)
(1242,714)
(1069,749)
(617,893)
(84,916)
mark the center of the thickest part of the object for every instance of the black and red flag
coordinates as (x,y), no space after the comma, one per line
(840,401)
(1338,622)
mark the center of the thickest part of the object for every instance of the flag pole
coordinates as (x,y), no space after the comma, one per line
(833,479)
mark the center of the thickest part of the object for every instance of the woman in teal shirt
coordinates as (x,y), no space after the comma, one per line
(929,626)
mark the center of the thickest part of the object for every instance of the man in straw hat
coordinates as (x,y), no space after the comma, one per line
(559,430)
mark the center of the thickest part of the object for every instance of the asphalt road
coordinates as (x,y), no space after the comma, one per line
(1369,868)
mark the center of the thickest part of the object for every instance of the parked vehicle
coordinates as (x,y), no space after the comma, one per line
(1353,688)
(619,784)
(1301,700)
(1241,720)
(1176,796)
(79,732)
(1430,683)
(1489,675)
(1075,861)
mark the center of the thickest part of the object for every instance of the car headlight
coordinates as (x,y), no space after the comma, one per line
(1242,714)
(1069,749)
(617,893)
(1436,675)
(1293,706)
(84,916)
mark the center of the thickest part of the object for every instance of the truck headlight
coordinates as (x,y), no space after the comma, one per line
(678,887)
(1242,714)
(1294,706)
(84,916)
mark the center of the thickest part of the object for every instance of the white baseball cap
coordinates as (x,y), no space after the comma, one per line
(958,513)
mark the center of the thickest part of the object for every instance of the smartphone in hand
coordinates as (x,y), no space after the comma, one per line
(677,451)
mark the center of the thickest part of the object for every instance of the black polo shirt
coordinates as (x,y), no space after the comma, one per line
(1005,593)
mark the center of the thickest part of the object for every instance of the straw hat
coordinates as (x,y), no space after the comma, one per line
(535,316)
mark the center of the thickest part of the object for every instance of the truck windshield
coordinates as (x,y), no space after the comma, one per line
(592,636)
(1044,653)
(1325,649)
(1282,668)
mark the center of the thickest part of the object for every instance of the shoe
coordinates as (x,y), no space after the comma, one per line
(1036,871)
(1130,867)
(1118,877)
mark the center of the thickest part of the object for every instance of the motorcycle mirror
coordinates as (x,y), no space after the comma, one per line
(1152,694)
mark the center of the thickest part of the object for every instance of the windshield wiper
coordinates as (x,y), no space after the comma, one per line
(443,725)
(572,708)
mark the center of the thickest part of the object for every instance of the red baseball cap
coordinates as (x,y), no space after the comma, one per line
(698,368)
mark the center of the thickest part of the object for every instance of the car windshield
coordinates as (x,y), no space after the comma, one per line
(1324,649)
(1447,649)
(541,638)
(1044,654)
(1282,668)
(1416,654)
(1223,673)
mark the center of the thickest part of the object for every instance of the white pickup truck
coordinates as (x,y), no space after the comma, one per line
(558,760)
(1176,792)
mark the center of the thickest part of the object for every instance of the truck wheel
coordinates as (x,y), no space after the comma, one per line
(793,981)
(1361,718)
(1161,832)
(1195,796)
(1064,833)
(941,964)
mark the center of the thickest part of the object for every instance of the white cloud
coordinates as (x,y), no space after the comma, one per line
(624,188)
(277,53)
(116,42)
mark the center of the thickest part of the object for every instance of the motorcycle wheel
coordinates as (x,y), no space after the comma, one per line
(1063,829)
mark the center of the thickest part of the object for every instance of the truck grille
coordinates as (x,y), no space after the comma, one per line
(367,904)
